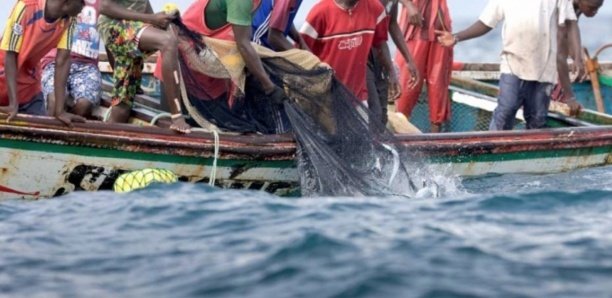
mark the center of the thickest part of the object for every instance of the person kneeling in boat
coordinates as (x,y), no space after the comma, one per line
(215,98)
(132,32)
(529,56)
(84,79)
(563,90)
(33,29)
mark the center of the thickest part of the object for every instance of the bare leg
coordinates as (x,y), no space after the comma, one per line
(111,58)
(153,39)
(83,107)
(120,113)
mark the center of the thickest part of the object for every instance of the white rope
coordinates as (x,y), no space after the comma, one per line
(191,110)
(206,126)
(159,116)
(213,171)
(107,114)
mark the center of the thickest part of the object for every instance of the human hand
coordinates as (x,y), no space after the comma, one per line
(446,38)
(574,106)
(415,76)
(394,89)
(10,110)
(161,19)
(69,118)
(414,16)
(277,95)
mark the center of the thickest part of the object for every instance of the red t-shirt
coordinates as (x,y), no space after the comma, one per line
(343,38)
(280,14)
(31,36)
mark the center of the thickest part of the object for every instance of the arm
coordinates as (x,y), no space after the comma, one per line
(563,71)
(382,51)
(278,22)
(11,45)
(575,44)
(60,77)
(278,41)
(253,62)
(10,67)
(400,43)
(476,30)
(297,37)
(62,70)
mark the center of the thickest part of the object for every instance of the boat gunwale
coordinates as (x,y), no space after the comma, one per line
(272,147)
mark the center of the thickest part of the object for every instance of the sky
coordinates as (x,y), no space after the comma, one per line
(595,32)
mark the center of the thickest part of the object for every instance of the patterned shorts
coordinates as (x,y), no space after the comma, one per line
(84,82)
(123,39)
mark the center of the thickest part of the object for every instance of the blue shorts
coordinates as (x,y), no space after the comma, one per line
(36,106)
(84,82)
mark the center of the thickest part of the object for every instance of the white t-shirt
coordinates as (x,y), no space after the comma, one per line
(529,35)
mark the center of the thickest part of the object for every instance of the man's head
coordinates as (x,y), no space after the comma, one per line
(589,7)
(73,7)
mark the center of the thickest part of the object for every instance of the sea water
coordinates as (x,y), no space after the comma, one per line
(493,236)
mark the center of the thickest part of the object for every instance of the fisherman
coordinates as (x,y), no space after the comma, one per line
(421,18)
(379,79)
(84,80)
(131,36)
(529,56)
(232,20)
(229,20)
(273,23)
(33,29)
(563,91)
(342,33)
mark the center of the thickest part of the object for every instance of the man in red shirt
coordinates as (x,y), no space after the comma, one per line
(342,33)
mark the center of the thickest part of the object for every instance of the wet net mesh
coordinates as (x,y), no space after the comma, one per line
(339,151)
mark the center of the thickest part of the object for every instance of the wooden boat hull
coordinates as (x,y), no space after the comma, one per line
(41,158)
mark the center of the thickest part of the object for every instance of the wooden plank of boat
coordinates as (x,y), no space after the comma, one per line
(490,71)
(40,157)
(492,91)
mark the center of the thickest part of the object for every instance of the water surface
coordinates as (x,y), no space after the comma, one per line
(508,235)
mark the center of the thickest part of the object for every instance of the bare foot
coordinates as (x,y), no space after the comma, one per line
(69,118)
(179,125)
(120,113)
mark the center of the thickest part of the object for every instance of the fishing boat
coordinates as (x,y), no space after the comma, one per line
(40,157)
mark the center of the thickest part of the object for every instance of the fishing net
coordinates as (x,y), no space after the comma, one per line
(339,151)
